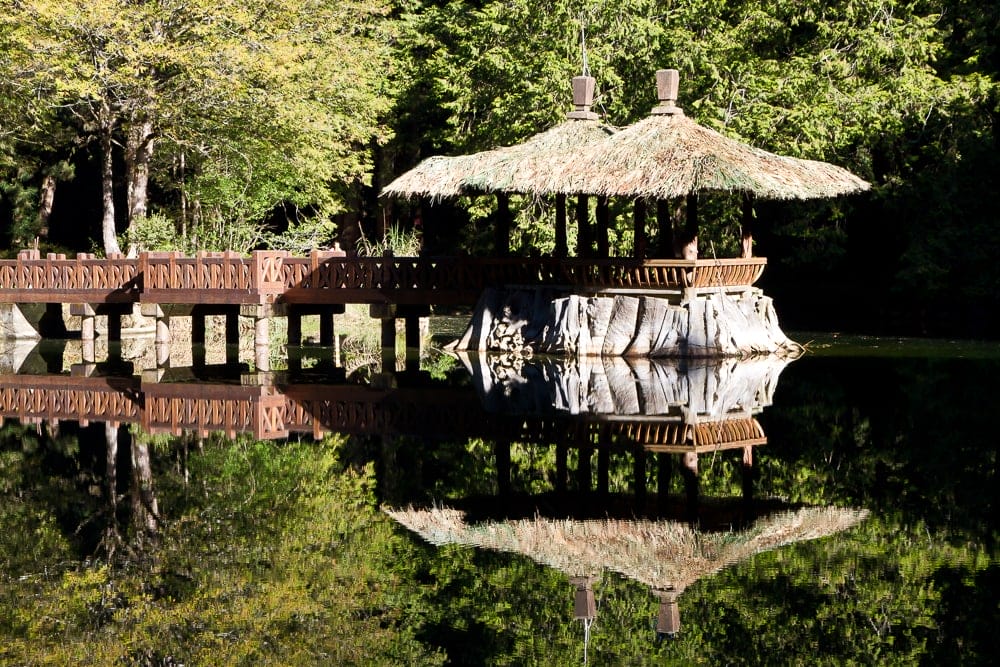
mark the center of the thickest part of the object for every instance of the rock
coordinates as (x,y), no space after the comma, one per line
(711,324)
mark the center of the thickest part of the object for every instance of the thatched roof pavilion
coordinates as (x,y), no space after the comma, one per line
(665,156)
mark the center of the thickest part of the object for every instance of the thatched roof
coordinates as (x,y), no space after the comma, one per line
(659,554)
(529,167)
(667,156)
(664,156)
(519,168)
(438,177)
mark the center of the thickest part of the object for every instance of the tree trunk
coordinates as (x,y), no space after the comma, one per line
(145,509)
(138,152)
(46,200)
(107,192)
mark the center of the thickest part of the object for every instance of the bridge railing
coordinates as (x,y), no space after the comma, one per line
(218,277)
(321,272)
(32,279)
(328,277)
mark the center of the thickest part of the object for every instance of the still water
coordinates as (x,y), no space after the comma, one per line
(839,508)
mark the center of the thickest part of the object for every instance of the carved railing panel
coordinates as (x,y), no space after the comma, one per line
(30,277)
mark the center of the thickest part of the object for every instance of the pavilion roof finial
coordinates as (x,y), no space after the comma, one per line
(667,84)
(583,98)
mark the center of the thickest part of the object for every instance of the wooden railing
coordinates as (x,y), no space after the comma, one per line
(326,277)
(225,277)
(307,278)
(32,279)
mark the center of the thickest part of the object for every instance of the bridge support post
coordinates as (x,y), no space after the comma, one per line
(161,339)
(232,337)
(326,329)
(603,464)
(583,468)
(114,327)
(294,327)
(88,331)
(262,314)
(561,455)
(198,338)
(386,312)
(262,343)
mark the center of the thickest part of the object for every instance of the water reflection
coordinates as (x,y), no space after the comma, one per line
(666,413)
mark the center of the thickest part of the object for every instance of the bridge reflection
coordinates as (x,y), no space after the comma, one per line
(662,406)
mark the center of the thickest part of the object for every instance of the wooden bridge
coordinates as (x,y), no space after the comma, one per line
(266,284)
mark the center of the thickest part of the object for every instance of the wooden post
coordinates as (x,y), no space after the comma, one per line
(748,474)
(664,475)
(639,469)
(197,338)
(262,341)
(583,467)
(88,328)
(603,466)
(326,329)
(561,455)
(501,230)
(583,243)
(294,327)
(501,449)
(114,327)
(232,337)
(602,216)
(665,242)
(561,249)
(639,230)
(746,227)
(690,471)
(689,241)
(411,333)
(668,615)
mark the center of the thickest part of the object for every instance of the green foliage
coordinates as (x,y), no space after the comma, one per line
(266,555)
(243,109)
(397,240)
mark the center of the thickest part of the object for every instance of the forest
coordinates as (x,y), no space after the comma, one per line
(189,124)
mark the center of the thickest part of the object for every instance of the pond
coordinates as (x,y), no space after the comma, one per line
(835,508)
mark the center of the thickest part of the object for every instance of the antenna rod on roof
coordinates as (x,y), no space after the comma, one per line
(583,48)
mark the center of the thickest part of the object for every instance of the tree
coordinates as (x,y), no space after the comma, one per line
(266,102)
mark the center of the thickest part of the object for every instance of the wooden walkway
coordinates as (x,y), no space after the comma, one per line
(276,277)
